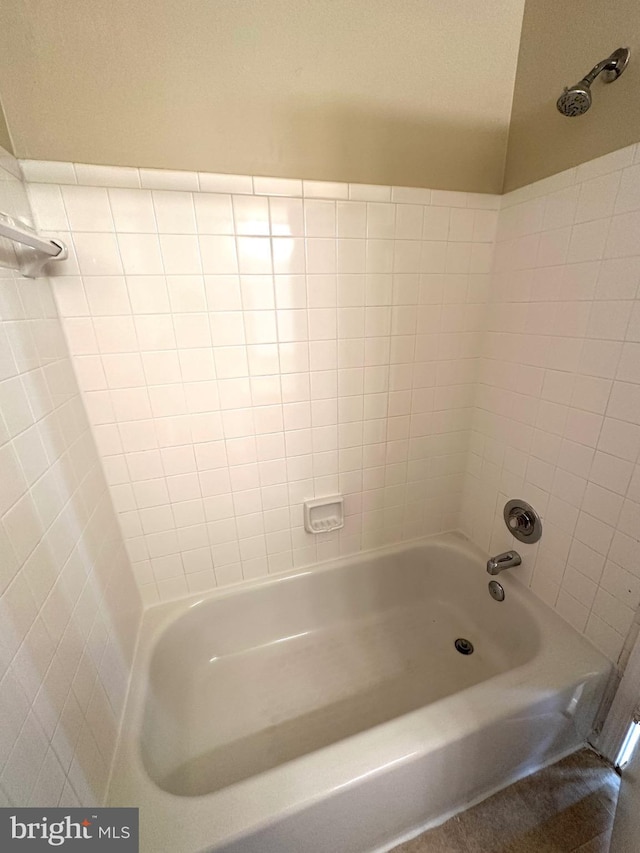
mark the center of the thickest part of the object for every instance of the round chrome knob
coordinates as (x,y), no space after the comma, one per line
(523,521)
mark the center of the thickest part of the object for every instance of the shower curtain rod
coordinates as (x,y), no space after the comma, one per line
(53,250)
(29,238)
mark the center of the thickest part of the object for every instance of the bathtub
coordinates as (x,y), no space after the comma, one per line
(329,709)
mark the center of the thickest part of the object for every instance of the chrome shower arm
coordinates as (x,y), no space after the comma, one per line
(614,64)
(595,71)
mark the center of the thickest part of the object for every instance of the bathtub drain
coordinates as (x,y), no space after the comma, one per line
(464,646)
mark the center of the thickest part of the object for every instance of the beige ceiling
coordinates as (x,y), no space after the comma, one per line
(409,92)
(561,42)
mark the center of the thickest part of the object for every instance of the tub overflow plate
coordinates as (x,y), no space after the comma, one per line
(496,591)
(465,647)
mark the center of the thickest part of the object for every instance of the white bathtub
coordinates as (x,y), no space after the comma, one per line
(328,709)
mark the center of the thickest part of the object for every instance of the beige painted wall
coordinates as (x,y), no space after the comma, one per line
(5,139)
(561,41)
(409,92)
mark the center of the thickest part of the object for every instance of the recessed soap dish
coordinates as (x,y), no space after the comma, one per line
(323,515)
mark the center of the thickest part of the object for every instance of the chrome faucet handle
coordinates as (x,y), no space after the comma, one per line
(523,521)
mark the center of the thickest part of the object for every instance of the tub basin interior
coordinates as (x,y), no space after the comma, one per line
(251,679)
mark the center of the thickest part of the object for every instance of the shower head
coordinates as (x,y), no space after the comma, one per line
(576,100)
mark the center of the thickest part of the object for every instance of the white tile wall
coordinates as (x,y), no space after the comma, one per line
(557,417)
(245,343)
(69,608)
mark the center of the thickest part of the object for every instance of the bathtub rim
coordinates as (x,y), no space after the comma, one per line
(158,617)
(367,753)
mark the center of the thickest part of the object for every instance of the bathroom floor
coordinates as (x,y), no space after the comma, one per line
(566,807)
